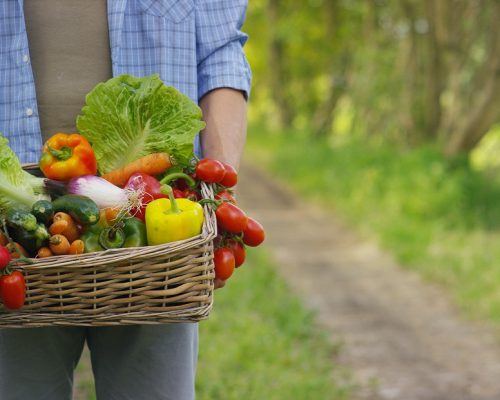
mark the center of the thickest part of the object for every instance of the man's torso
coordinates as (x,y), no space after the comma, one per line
(70,54)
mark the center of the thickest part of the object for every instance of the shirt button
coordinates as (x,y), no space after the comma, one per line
(29,112)
(26,58)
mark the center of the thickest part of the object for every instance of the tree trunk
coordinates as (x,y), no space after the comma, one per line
(484,109)
(323,118)
(434,81)
(425,71)
(277,71)
(458,43)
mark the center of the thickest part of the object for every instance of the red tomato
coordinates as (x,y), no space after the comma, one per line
(191,195)
(178,193)
(238,250)
(5,257)
(225,195)
(231,218)
(253,234)
(13,290)
(224,263)
(230,177)
(181,184)
(210,171)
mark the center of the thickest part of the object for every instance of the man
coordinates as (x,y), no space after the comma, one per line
(52,52)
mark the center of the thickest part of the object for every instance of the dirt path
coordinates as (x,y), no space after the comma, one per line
(398,331)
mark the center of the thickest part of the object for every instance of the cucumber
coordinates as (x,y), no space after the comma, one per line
(21,218)
(43,211)
(81,208)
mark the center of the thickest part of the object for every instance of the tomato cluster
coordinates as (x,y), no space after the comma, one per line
(236,229)
(12,283)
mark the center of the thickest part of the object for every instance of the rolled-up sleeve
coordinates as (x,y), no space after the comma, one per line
(219,48)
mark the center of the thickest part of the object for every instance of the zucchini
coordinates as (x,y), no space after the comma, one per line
(81,208)
(43,211)
(21,218)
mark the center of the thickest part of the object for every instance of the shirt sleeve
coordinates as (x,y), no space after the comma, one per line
(219,47)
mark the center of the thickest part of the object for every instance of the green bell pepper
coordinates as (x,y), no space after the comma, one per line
(135,233)
(130,232)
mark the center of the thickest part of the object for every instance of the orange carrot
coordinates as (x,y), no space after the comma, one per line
(59,244)
(111,213)
(152,164)
(72,232)
(77,247)
(44,252)
(58,226)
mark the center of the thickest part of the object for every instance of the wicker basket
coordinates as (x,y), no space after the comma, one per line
(146,285)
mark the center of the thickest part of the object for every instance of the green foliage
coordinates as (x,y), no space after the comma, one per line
(412,71)
(439,218)
(304,33)
(260,343)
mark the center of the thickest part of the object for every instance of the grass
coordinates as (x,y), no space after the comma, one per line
(259,343)
(442,220)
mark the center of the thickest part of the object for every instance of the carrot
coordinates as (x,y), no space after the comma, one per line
(152,164)
(59,244)
(72,232)
(77,247)
(58,227)
(44,252)
(111,213)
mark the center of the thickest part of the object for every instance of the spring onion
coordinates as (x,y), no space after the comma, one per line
(104,193)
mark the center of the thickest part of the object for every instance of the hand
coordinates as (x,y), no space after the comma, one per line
(219,283)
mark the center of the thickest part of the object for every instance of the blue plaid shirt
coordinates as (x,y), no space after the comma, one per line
(195,45)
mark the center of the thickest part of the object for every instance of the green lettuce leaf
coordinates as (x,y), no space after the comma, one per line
(17,187)
(127,117)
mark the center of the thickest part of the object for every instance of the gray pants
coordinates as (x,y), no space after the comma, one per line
(150,362)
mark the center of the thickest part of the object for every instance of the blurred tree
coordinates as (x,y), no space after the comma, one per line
(411,70)
(337,64)
(473,67)
(454,70)
(278,71)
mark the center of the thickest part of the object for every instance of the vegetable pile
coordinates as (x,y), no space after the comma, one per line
(128,179)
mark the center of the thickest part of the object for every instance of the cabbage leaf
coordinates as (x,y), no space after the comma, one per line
(126,118)
(17,187)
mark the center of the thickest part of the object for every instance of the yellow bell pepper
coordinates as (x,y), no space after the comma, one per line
(169,220)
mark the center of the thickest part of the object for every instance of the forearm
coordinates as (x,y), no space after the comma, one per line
(225,114)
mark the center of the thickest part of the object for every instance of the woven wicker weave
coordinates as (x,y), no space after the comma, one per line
(146,285)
